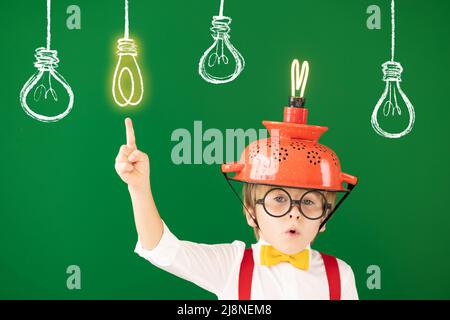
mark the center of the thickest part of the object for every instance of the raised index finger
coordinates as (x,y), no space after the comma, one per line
(131,140)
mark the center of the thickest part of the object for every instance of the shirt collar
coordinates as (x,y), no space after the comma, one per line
(261,242)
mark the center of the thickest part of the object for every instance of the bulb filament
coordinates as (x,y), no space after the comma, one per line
(299,79)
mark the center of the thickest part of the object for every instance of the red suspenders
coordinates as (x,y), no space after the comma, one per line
(246,275)
(333,276)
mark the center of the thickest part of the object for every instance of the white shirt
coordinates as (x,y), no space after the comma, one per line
(216,268)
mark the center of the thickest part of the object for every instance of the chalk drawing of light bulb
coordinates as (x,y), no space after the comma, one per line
(128,85)
(47,91)
(394,112)
(221,62)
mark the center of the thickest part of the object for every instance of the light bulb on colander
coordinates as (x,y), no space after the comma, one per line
(393,111)
(221,62)
(47,91)
(128,85)
(393,116)
(299,78)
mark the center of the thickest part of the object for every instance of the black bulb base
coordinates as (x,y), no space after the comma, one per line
(296,102)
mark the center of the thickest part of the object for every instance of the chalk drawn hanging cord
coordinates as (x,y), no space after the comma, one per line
(221,8)
(45,57)
(127,25)
(393,30)
(40,84)
(393,104)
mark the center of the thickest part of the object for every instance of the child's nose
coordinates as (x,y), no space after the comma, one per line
(295,213)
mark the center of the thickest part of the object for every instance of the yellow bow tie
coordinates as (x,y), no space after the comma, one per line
(271,256)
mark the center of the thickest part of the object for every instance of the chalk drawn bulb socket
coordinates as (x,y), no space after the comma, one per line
(390,102)
(215,54)
(46,64)
(128,85)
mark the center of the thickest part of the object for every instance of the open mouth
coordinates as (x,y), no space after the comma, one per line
(292,232)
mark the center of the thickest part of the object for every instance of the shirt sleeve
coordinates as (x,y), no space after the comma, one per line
(349,291)
(208,266)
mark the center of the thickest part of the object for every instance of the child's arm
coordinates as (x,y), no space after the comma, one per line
(133,167)
(208,266)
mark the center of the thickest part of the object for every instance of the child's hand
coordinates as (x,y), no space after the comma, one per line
(132,165)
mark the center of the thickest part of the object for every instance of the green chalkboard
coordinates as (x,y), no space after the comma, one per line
(63,204)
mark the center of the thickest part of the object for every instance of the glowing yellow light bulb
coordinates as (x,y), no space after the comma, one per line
(299,78)
(128,85)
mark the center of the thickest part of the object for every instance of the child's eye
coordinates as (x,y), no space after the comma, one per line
(280,199)
(308,202)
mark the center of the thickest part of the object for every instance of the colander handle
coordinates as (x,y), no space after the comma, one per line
(232,167)
(349,178)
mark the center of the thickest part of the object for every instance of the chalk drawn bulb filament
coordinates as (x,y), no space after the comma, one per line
(220,53)
(128,85)
(46,85)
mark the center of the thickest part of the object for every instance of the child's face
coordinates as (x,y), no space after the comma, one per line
(290,233)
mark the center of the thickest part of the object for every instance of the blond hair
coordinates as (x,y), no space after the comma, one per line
(249,194)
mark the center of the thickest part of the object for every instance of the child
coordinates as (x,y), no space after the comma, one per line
(281,265)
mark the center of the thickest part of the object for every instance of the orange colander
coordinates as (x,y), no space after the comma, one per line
(292,156)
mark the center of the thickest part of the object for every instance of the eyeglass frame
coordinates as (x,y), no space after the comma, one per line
(297,203)
(350,188)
